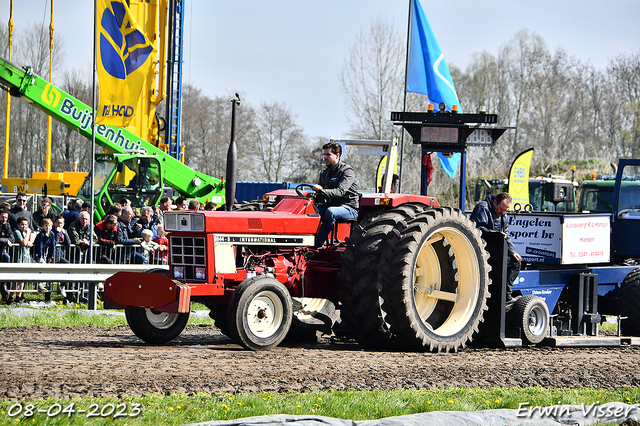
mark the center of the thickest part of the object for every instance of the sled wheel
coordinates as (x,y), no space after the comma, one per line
(531,314)
(435,281)
(260,313)
(155,327)
(152,326)
(361,311)
(629,304)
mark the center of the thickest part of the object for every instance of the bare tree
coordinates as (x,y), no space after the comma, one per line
(625,74)
(372,78)
(273,141)
(68,146)
(521,59)
(206,130)
(372,83)
(28,125)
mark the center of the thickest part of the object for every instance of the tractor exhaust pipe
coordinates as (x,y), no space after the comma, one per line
(230,185)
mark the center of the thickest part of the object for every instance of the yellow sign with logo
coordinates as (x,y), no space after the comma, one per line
(125,58)
(519,178)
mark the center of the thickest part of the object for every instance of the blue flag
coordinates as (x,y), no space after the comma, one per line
(427,73)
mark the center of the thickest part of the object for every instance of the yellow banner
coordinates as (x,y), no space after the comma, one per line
(519,178)
(125,59)
(382,167)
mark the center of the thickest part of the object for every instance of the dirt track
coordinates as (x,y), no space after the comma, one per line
(92,361)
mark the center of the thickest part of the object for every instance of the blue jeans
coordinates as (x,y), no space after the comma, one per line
(329,216)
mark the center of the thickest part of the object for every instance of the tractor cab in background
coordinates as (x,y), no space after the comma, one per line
(136,177)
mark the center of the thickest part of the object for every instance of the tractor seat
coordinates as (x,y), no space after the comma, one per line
(341,230)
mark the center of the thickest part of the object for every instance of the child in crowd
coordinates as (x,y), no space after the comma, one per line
(24,241)
(45,247)
(149,247)
(45,243)
(62,241)
(163,241)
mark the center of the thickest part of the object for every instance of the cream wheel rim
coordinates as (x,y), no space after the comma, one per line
(265,314)
(427,281)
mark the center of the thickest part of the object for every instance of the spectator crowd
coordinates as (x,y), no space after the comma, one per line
(126,234)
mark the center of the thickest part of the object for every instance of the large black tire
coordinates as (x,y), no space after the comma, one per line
(629,304)
(435,281)
(531,315)
(260,313)
(361,312)
(218,313)
(156,328)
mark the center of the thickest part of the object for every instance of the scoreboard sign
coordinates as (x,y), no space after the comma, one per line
(449,131)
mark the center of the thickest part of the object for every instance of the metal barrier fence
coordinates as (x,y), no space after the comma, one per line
(119,254)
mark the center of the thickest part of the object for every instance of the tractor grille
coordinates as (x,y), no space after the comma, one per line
(188,252)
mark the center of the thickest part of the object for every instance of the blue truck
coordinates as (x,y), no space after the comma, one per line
(580,267)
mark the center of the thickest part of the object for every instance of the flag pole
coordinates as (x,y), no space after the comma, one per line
(93,126)
(404,101)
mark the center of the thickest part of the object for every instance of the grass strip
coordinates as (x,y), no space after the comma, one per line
(178,409)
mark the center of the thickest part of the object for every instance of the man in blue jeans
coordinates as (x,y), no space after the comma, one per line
(338,182)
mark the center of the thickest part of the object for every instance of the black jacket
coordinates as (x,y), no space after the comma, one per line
(6,235)
(340,184)
(127,232)
(487,220)
(38,217)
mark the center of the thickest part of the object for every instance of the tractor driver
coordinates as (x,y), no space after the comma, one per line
(489,216)
(338,181)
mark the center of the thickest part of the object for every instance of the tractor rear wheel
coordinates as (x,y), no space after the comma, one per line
(155,327)
(629,304)
(260,313)
(361,312)
(435,281)
(531,315)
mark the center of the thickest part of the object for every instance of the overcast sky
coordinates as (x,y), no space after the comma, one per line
(293,51)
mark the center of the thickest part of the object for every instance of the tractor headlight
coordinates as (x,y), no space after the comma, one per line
(178,272)
(200,273)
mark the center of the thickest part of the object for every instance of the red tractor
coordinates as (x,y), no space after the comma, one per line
(408,272)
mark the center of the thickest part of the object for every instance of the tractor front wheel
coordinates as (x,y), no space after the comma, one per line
(154,327)
(260,313)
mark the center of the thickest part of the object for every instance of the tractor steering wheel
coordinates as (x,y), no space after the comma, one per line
(313,194)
